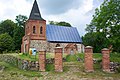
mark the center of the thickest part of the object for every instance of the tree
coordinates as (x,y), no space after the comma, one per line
(14,30)
(62,23)
(21,19)
(107,21)
(17,37)
(6,42)
(96,40)
(7,26)
(19,31)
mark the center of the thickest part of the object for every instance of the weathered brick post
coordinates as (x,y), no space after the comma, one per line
(106,60)
(58,59)
(42,60)
(89,59)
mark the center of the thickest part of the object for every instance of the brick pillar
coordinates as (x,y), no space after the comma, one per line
(106,60)
(89,59)
(42,58)
(58,59)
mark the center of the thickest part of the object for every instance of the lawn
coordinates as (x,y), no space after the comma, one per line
(80,56)
(114,57)
(35,58)
(11,72)
(73,69)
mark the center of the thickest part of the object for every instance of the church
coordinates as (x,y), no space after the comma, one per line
(45,37)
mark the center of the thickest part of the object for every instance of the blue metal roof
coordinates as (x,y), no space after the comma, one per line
(62,34)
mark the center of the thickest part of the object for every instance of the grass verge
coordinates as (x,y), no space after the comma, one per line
(15,71)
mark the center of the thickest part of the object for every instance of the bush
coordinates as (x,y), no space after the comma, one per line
(6,42)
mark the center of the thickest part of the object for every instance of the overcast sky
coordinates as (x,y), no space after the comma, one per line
(77,12)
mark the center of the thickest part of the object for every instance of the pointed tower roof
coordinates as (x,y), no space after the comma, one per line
(35,13)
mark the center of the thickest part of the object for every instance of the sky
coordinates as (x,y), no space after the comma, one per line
(76,12)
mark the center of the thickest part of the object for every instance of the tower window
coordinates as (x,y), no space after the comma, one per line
(34,29)
(41,30)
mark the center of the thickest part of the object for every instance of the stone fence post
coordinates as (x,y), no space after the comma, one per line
(42,60)
(89,59)
(106,60)
(58,59)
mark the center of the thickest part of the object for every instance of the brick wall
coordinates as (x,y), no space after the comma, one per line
(106,60)
(89,59)
(37,24)
(58,59)
(42,60)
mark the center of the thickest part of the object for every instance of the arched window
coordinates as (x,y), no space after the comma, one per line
(57,45)
(41,30)
(34,29)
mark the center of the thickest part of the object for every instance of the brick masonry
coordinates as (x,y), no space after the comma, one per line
(29,29)
(106,60)
(42,60)
(58,60)
(89,59)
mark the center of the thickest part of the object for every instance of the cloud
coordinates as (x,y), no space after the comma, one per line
(76,17)
(96,4)
(59,6)
(77,12)
(11,8)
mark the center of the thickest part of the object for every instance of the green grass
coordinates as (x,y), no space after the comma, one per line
(68,68)
(74,57)
(115,57)
(49,55)
(35,58)
(49,67)
(15,71)
(97,56)
(28,57)
(70,58)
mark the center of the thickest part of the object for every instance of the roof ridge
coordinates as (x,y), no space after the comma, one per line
(60,26)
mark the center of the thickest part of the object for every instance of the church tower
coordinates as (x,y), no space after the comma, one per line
(36,25)
(35,30)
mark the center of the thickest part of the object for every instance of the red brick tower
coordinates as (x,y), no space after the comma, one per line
(35,30)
